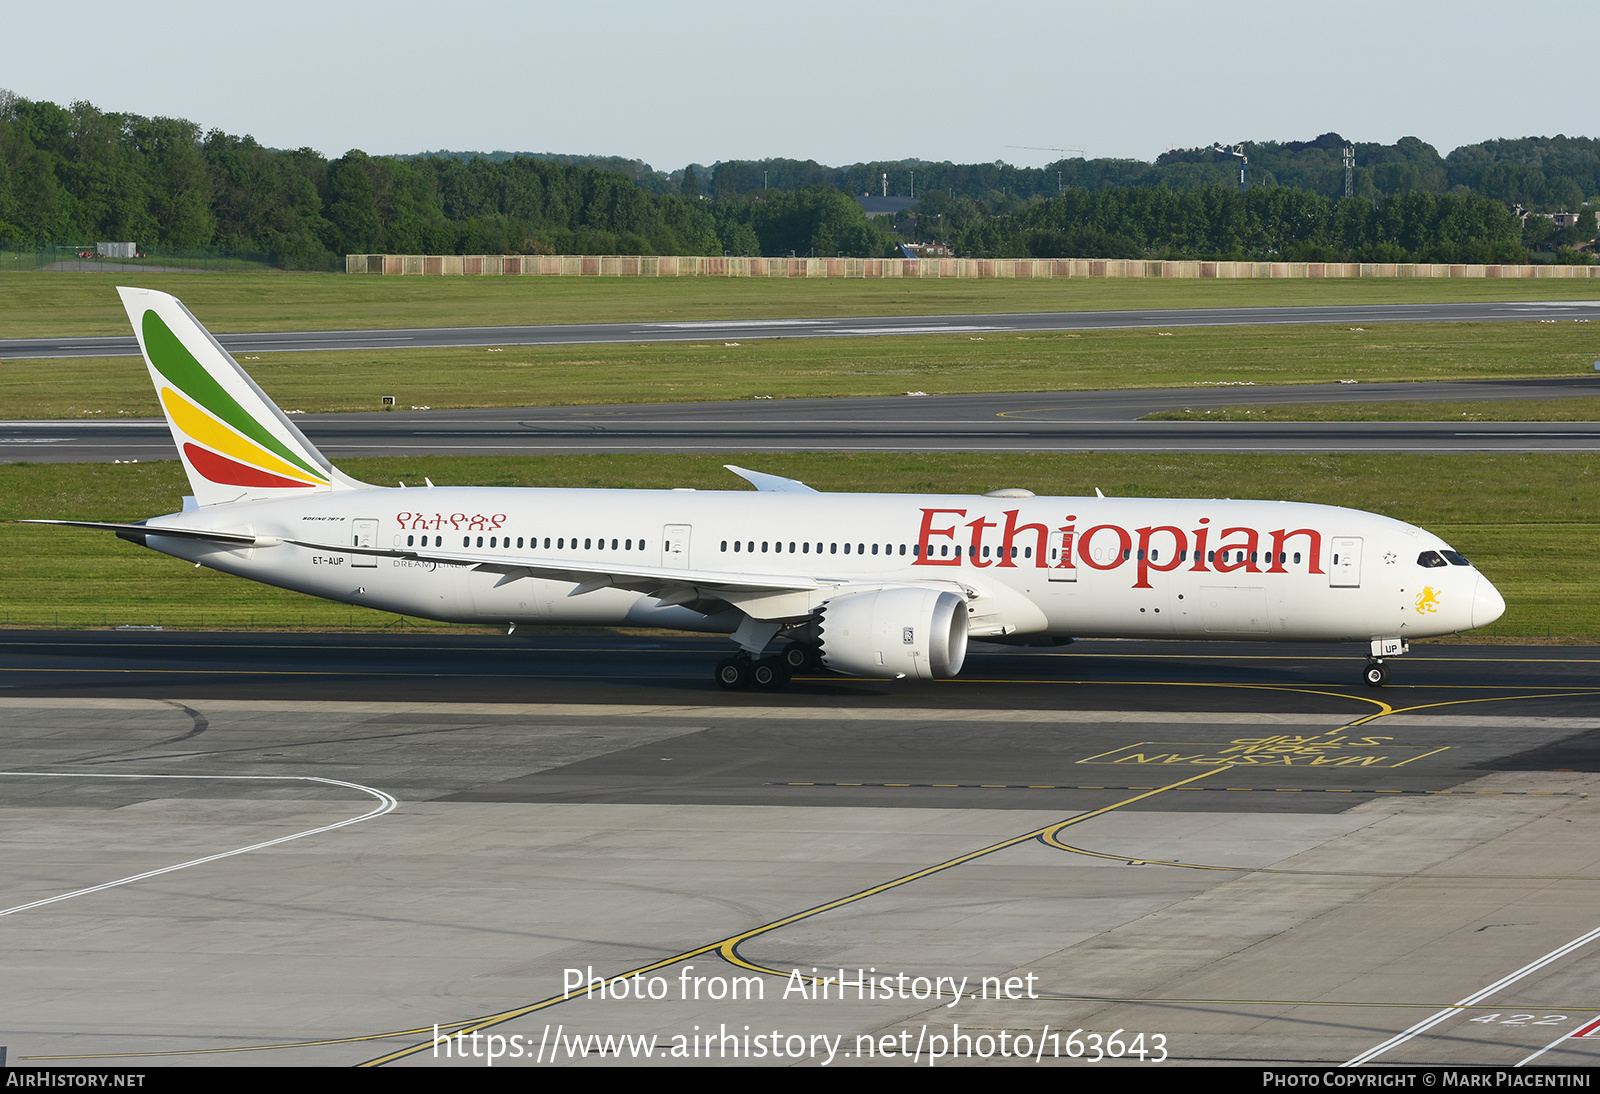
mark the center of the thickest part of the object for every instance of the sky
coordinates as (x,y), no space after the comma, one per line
(841,83)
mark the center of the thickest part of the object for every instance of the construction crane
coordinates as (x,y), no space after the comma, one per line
(1244,161)
(1082,155)
(1036,148)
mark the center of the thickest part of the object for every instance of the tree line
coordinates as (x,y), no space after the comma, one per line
(1265,223)
(1544,173)
(77,174)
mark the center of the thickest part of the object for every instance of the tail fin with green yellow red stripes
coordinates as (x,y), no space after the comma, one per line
(236,445)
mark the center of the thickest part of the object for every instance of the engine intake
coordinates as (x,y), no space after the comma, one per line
(920,633)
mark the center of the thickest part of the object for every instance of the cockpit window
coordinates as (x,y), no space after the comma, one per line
(1455,558)
(1430,560)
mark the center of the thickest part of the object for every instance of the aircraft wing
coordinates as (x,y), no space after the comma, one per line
(770,484)
(763,596)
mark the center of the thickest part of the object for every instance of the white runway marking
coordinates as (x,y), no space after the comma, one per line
(1585,1030)
(1475,998)
(386,804)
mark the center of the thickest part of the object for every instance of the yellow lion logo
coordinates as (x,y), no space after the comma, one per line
(1427,600)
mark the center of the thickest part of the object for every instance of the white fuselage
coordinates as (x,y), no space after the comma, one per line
(1069,567)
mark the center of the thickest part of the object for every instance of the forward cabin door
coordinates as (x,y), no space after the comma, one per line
(1344,569)
(675,546)
(364,533)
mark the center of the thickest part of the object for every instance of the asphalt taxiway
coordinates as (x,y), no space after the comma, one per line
(311,848)
(892,326)
(1067,421)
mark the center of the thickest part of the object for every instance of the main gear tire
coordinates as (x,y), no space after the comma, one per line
(734,673)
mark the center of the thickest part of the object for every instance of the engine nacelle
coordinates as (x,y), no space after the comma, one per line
(920,633)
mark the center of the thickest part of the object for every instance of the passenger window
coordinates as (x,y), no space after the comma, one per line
(846,548)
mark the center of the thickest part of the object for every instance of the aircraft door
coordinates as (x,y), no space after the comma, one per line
(364,533)
(1344,569)
(675,546)
(1063,566)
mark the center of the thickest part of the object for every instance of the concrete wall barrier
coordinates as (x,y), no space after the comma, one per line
(1015,268)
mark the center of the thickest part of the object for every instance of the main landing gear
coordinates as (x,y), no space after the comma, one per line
(742,671)
(766,673)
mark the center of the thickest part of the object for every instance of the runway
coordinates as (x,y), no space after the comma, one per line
(890,326)
(309,849)
(1071,421)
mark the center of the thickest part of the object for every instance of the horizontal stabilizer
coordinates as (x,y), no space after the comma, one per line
(141,529)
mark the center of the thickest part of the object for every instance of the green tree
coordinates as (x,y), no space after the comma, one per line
(352,207)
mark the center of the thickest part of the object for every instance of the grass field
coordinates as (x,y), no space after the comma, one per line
(1529,522)
(787,368)
(65,304)
(1506,410)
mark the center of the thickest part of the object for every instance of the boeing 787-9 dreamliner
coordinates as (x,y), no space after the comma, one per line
(879,585)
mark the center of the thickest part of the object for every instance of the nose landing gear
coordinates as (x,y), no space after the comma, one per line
(1376,674)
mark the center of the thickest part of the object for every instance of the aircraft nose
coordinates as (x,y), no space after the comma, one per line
(1487,603)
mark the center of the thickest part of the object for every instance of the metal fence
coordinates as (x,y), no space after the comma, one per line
(1017,268)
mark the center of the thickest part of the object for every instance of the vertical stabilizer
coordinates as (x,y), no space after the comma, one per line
(236,445)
